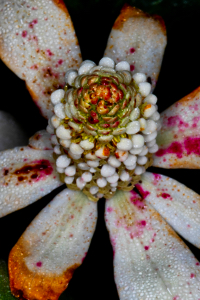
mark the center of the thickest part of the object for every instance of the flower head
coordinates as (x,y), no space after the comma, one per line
(150,260)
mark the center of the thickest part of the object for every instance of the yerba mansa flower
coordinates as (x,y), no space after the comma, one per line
(103,127)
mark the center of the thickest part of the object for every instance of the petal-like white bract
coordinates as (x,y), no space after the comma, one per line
(150,260)
(41,140)
(139,39)
(177,204)
(11,134)
(39,44)
(43,261)
(179,137)
(26,175)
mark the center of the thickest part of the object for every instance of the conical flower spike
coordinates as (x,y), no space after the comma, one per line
(38,43)
(103,124)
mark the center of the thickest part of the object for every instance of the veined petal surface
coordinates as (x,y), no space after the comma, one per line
(177,204)
(139,39)
(150,260)
(11,134)
(38,43)
(26,175)
(179,137)
(43,261)
(41,140)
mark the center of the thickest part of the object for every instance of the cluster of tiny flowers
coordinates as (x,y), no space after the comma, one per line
(105,121)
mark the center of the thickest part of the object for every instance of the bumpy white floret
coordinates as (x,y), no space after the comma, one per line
(139,77)
(90,156)
(131,160)
(87,176)
(134,114)
(114,162)
(153,149)
(144,88)
(139,170)
(121,155)
(143,124)
(149,110)
(133,127)
(114,184)
(94,189)
(70,171)
(142,160)
(57,96)
(124,144)
(101,153)
(49,129)
(54,140)
(68,180)
(152,99)
(107,62)
(70,76)
(86,145)
(114,178)
(76,149)
(56,149)
(63,133)
(124,176)
(60,170)
(100,195)
(92,170)
(113,189)
(150,137)
(122,66)
(93,163)
(107,170)
(55,121)
(83,166)
(150,128)
(65,143)
(86,66)
(136,150)
(131,167)
(144,151)
(151,143)
(74,156)
(137,140)
(156,116)
(63,161)
(59,110)
(80,183)
(101,182)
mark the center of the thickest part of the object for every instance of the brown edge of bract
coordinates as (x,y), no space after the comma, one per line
(189,97)
(26,284)
(128,11)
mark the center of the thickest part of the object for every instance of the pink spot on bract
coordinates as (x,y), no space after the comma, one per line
(157,176)
(24,33)
(60,61)
(143,193)
(146,248)
(109,209)
(143,223)
(192,275)
(39,264)
(197,264)
(165,195)
(177,121)
(48,51)
(132,50)
(174,148)
(31,24)
(132,68)
(176,298)
(188,225)
(84,257)
(192,145)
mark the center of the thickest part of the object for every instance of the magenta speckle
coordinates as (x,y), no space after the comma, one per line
(146,248)
(109,209)
(24,33)
(177,121)
(48,51)
(39,264)
(197,264)
(84,257)
(143,193)
(143,223)
(60,61)
(132,68)
(174,148)
(132,50)
(192,145)
(31,24)
(192,275)
(176,298)
(157,176)
(165,195)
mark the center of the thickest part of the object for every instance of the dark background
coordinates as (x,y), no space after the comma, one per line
(179,76)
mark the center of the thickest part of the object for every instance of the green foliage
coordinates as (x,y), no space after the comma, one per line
(5,293)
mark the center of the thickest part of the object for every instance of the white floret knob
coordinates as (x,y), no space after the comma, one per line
(139,77)
(86,66)
(63,161)
(107,62)
(87,176)
(133,127)
(137,140)
(152,99)
(59,110)
(101,182)
(86,145)
(124,144)
(57,96)
(114,162)
(70,76)
(107,170)
(144,88)
(94,190)
(70,171)
(76,149)
(123,66)
(55,121)
(121,155)
(124,176)
(69,180)
(63,133)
